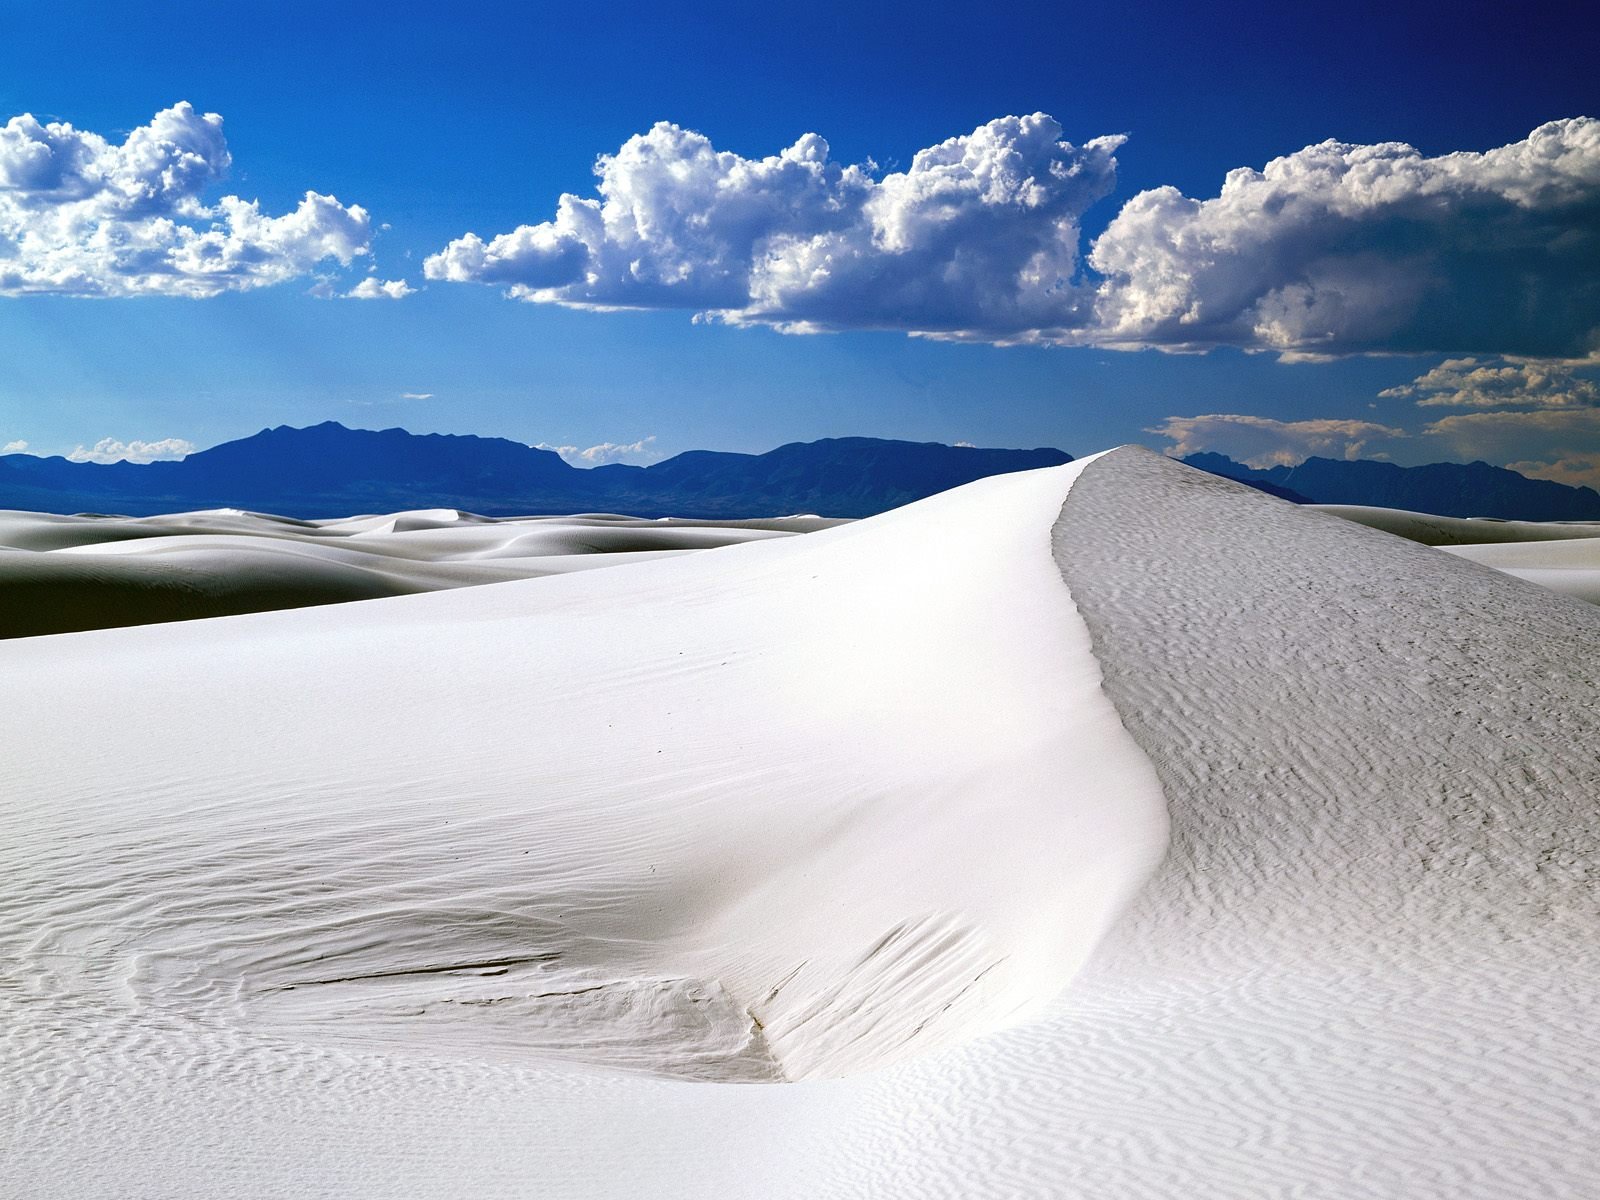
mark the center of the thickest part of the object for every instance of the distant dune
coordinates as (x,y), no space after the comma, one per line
(63,574)
(1109,831)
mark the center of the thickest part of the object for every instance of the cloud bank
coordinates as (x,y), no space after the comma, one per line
(1472,383)
(637,452)
(1339,249)
(1334,249)
(82,216)
(1262,442)
(977,237)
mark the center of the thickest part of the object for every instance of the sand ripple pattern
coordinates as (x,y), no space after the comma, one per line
(1371,963)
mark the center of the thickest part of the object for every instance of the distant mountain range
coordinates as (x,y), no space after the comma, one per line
(1447,489)
(328,470)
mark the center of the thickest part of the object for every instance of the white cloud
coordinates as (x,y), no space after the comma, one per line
(977,238)
(1263,442)
(373,288)
(606,452)
(1473,383)
(416,395)
(16,447)
(613,452)
(82,216)
(1334,249)
(108,450)
(1340,248)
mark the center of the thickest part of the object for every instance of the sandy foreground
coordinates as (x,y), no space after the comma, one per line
(1110,830)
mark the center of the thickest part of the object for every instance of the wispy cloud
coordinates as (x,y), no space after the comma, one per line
(1334,249)
(108,450)
(416,395)
(83,216)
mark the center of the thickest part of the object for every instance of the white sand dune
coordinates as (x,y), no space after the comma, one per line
(65,574)
(1432,530)
(475,893)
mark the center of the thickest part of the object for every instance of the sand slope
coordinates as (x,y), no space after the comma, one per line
(306,904)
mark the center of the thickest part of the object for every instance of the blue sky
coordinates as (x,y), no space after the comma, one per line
(1471,299)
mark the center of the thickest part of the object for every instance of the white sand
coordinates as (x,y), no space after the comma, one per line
(297,904)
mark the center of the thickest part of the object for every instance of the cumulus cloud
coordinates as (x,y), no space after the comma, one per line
(614,452)
(1263,442)
(83,216)
(1334,249)
(373,288)
(605,452)
(978,237)
(1472,383)
(108,450)
(1340,248)
(16,447)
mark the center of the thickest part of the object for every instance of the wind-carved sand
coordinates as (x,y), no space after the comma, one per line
(377,899)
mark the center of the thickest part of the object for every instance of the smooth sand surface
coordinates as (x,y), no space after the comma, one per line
(1154,838)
